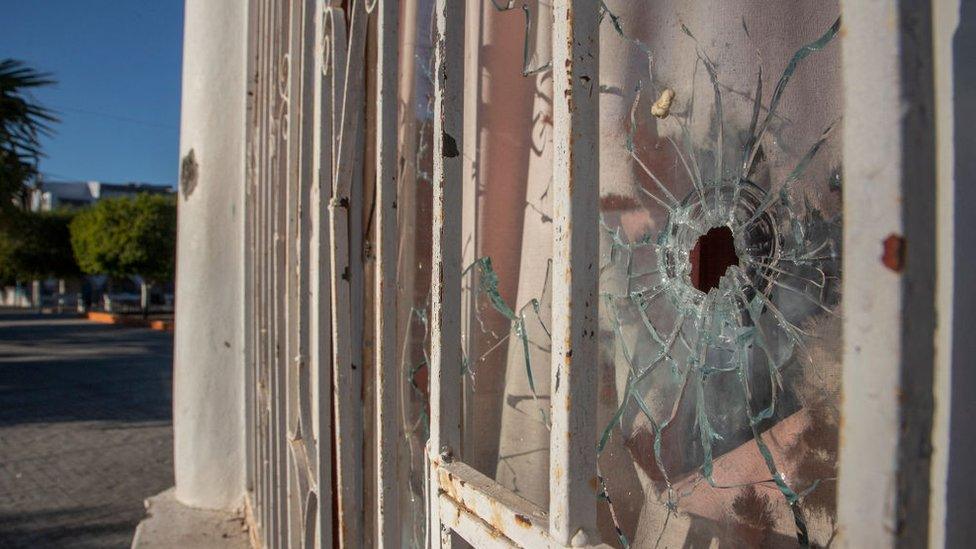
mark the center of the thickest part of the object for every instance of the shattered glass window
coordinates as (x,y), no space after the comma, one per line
(720,273)
(720,229)
(507,243)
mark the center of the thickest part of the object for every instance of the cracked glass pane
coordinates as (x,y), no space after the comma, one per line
(720,273)
(507,239)
(414,201)
(537,45)
(720,267)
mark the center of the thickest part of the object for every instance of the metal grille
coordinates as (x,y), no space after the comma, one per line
(325,440)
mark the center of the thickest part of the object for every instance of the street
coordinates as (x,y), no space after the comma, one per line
(85,429)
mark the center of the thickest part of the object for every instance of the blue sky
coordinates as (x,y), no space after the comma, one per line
(117,63)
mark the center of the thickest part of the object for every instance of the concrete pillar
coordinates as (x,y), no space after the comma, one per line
(208,360)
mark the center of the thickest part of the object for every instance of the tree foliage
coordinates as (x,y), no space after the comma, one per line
(36,245)
(127,236)
(23,121)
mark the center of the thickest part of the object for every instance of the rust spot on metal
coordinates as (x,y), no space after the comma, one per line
(496,522)
(523,521)
(893,256)
(448,488)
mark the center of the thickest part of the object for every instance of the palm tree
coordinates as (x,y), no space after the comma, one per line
(22,123)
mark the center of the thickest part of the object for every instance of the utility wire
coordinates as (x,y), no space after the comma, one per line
(116,117)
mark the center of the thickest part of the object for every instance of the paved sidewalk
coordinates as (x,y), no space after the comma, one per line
(85,429)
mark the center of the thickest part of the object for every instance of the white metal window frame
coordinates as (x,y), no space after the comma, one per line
(461,500)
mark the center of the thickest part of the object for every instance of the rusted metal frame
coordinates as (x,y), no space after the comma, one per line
(889,278)
(321,282)
(470,527)
(445,368)
(498,508)
(345,69)
(576,168)
(387,426)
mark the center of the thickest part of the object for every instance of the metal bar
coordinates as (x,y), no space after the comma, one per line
(278,182)
(351,161)
(249,294)
(259,256)
(502,510)
(271,338)
(347,380)
(469,526)
(471,235)
(445,367)
(576,169)
(953,451)
(303,445)
(261,329)
(387,376)
(292,276)
(889,274)
(262,492)
(320,280)
(265,490)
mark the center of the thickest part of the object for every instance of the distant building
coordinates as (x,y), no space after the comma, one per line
(55,194)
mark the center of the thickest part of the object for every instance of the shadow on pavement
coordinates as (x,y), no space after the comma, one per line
(85,429)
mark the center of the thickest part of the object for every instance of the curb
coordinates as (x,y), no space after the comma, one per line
(122,320)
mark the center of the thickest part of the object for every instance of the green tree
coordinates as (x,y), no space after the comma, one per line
(23,121)
(37,245)
(128,236)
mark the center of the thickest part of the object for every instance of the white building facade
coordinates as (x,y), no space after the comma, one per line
(71,194)
(577,273)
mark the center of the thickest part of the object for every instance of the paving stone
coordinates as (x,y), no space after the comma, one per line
(85,429)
